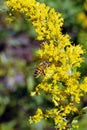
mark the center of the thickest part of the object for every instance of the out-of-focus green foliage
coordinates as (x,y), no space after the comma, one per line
(18,59)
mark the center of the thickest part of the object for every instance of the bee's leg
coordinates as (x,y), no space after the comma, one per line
(43,73)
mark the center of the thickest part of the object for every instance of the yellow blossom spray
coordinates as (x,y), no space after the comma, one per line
(61,80)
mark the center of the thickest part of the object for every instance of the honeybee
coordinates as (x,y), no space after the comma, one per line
(40,69)
(42,44)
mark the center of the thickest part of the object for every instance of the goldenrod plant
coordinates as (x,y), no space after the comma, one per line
(82,32)
(82,16)
(59,65)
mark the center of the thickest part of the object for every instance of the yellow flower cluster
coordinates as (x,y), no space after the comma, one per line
(37,117)
(82,16)
(61,80)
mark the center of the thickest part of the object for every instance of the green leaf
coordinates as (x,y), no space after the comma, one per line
(8,126)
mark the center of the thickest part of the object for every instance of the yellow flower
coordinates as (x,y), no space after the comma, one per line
(60,78)
(37,117)
(82,17)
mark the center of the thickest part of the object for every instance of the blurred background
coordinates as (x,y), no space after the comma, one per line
(18,59)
